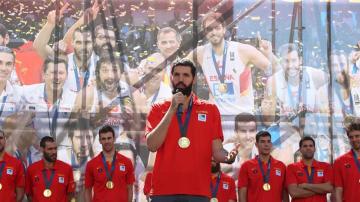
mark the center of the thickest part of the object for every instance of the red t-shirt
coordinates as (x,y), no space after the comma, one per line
(347,176)
(185,171)
(95,177)
(250,176)
(12,177)
(147,184)
(295,174)
(226,188)
(62,183)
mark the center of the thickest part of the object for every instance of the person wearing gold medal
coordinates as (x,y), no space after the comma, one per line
(185,132)
(309,179)
(347,166)
(263,177)
(12,178)
(222,186)
(110,175)
(49,179)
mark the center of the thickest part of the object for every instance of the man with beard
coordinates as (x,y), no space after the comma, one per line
(110,175)
(184,129)
(49,179)
(227,68)
(12,177)
(347,166)
(222,186)
(263,177)
(309,179)
(49,103)
(81,61)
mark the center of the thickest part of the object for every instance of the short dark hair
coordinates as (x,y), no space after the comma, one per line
(306,138)
(106,129)
(4,49)
(3,30)
(55,61)
(244,117)
(184,62)
(351,123)
(213,16)
(260,134)
(46,139)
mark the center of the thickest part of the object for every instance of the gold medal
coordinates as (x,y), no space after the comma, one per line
(0,186)
(47,193)
(110,184)
(214,200)
(184,142)
(223,88)
(266,187)
(73,200)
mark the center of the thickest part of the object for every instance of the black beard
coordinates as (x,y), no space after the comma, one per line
(185,91)
(48,157)
(216,168)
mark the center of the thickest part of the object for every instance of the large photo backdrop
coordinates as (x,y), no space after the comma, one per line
(289,67)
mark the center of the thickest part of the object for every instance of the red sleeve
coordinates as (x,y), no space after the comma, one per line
(338,180)
(232,190)
(130,176)
(153,119)
(147,184)
(218,133)
(329,174)
(28,183)
(71,185)
(290,175)
(89,177)
(243,176)
(20,178)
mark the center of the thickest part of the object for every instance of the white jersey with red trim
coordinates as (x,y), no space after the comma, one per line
(237,94)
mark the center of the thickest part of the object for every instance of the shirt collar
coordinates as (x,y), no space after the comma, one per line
(314,164)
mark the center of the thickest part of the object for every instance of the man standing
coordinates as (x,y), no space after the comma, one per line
(109,175)
(49,179)
(222,186)
(184,129)
(347,166)
(309,180)
(263,177)
(12,178)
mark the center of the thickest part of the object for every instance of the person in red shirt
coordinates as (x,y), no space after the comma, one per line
(222,186)
(109,175)
(309,180)
(49,179)
(263,177)
(347,166)
(185,132)
(12,178)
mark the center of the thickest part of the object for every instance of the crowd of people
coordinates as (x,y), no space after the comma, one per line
(107,123)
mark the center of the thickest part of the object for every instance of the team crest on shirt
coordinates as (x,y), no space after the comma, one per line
(320,173)
(202,117)
(254,171)
(36,179)
(61,180)
(225,185)
(278,172)
(9,171)
(122,168)
(347,165)
(100,170)
(300,174)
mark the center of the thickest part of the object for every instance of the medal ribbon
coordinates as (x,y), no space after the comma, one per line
(222,74)
(55,114)
(266,177)
(215,189)
(77,77)
(357,162)
(2,168)
(184,127)
(109,174)
(48,182)
(310,177)
(3,104)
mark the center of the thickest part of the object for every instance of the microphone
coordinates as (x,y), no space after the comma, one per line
(180,106)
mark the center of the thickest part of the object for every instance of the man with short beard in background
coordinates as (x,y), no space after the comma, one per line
(222,186)
(49,179)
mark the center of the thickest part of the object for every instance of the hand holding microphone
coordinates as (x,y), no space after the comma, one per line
(178,100)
